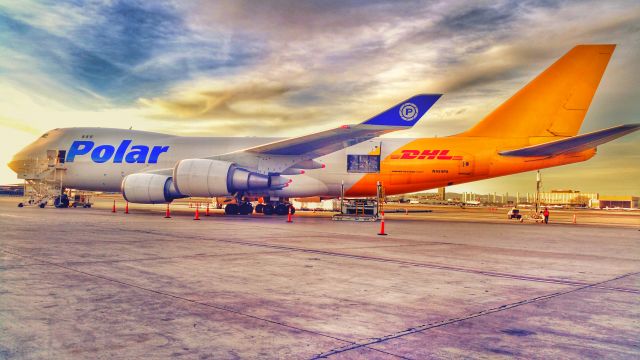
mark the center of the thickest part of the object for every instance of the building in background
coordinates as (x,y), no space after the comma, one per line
(621,201)
(567,197)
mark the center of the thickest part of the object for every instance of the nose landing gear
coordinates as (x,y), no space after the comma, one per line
(61,201)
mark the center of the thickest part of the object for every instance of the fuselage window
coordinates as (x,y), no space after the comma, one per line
(363,163)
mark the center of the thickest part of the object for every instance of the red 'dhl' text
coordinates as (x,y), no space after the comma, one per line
(426,154)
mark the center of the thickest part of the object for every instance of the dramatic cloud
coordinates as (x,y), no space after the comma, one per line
(220,103)
(286,68)
(117,51)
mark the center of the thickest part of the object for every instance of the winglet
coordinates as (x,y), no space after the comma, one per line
(406,113)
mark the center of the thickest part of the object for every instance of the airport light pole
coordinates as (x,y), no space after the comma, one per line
(538,181)
(342,197)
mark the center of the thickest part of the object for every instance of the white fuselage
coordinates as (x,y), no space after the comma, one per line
(99,158)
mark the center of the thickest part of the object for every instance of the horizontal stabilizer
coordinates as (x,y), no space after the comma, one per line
(575,143)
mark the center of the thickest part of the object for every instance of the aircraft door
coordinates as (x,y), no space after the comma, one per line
(466,165)
(366,160)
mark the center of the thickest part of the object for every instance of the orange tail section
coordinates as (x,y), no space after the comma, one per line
(554,103)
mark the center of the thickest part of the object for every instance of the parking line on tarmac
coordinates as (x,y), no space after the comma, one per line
(217,307)
(11,215)
(423,327)
(431,266)
(377,259)
(388,260)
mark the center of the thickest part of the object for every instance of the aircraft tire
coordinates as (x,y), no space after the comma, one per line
(231,209)
(245,209)
(282,209)
(268,209)
(259,208)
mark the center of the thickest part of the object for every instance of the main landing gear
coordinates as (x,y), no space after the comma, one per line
(241,207)
(244,207)
(277,208)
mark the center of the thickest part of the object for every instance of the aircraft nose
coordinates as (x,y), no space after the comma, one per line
(19,161)
(15,165)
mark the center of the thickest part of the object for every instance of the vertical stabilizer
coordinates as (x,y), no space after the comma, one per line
(554,103)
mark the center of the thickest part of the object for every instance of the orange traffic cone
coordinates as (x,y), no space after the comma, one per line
(289,215)
(207,212)
(197,214)
(382,225)
(113,209)
(126,208)
(167,213)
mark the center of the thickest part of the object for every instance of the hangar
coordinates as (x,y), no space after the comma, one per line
(625,202)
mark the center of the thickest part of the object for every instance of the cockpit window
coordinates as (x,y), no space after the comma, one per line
(45,135)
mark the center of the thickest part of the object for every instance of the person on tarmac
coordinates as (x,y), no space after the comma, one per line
(546,215)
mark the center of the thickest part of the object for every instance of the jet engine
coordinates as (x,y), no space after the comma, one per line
(145,188)
(205,177)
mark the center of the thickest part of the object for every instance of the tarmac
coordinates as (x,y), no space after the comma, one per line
(89,283)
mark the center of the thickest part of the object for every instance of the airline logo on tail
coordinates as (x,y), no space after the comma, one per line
(408,111)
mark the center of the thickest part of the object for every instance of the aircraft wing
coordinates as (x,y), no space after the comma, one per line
(298,153)
(575,143)
(401,116)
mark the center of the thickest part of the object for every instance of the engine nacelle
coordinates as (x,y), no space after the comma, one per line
(204,177)
(144,188)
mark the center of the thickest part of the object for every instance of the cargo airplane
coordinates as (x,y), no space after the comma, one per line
(536,128)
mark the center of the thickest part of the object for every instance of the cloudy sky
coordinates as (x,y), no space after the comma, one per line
(287,68)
